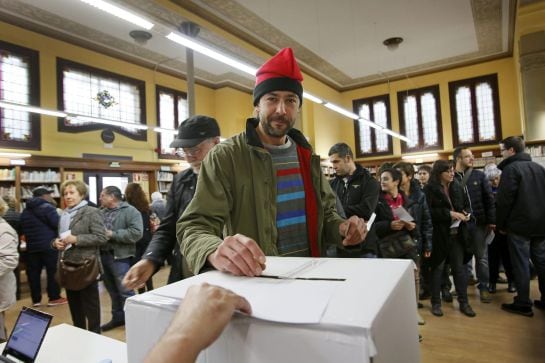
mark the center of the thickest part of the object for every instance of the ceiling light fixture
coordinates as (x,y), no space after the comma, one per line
(120,13)
(27,108)
(312,98)
(166,131)
(14,155)
(127,125)
(393,43)
(140,37)
(190,43)
(341,110)
(420,156)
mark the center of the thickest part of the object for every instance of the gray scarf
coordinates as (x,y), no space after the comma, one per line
(67,215)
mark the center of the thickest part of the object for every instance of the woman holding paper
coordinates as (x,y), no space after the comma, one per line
(448,205)
(395,225)
(81,231)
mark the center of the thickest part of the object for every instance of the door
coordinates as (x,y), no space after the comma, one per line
(98,181)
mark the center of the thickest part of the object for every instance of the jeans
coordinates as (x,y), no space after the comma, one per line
(114,271)
(477,234)
(498,251)
(522,249)
(459,273)
(36,261)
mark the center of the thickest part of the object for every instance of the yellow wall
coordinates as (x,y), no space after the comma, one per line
(509,106)
(231,107)
(530,19)
(232,110)
(69,145)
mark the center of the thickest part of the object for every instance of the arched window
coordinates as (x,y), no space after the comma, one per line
(420,119)
(19,83)
(475,111)
(371,141)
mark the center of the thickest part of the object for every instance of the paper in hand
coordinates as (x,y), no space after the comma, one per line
(403,215)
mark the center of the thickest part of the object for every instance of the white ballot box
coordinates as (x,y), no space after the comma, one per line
(311,310)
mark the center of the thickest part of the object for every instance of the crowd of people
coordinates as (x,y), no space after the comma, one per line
(263,193)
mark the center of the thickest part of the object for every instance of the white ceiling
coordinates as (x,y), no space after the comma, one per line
(339,42)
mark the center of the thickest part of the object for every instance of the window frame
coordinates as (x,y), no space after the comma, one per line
(418,92)
(62,64)
(492,80)
(356,104)
(177,94)
(33,57)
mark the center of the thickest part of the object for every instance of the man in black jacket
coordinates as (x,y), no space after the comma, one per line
(483,211)
(39,224)
(196,137)
(358,192)
(519,201)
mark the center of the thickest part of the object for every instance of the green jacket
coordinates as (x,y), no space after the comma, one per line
(127,229)
(236,193)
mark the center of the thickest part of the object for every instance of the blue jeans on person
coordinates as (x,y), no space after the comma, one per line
(521,250)
(477,235)
(36,261)
(114,271)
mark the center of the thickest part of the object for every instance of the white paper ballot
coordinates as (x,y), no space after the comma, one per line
(64,235)
(455,224)
(402,214)
(371,221)
(490,237)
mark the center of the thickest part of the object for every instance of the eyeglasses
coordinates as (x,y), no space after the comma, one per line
(190,151)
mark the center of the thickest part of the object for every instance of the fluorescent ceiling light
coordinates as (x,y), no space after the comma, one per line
(341,110)
(189,43)
(420,156)
(312,98)
(14,155)
(120,13)
(163,130)
(127,125)
(370,124)
(17,162)
(27,108)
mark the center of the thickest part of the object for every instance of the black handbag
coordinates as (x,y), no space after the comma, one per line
(396,245)
(77,275)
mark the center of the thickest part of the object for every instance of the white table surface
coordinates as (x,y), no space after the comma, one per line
(65,343)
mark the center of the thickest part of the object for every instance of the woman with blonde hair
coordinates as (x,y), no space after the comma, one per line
(9,258)
(82,232)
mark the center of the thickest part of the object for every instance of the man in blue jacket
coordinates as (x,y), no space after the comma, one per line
(483,211)
(39,224)
(124,227)
(519,201)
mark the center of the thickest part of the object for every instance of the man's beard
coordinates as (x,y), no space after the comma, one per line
(271,131)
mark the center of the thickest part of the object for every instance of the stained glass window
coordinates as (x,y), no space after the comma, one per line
(19,84)
(96,93)
(369,140)
(475,111)
(420,119)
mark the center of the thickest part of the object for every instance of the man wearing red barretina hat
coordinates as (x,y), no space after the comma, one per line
(262,193)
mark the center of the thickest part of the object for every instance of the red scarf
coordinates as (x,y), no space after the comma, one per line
(311,206)
(394,203)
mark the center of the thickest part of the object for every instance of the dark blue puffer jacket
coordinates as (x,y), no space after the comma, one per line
(481,198)
(39,224)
